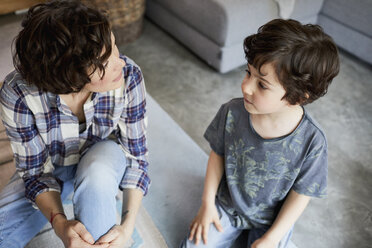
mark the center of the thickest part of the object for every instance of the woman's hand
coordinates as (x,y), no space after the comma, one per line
(118,236)
(74,234)
(200,225)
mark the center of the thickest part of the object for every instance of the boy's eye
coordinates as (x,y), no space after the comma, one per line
(248,72)
(262,86)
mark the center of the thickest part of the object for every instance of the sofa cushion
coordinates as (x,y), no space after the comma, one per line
(306,11)
(224,22)
(354,14)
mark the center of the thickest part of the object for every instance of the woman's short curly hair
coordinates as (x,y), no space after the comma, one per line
(61,44)
(304,57)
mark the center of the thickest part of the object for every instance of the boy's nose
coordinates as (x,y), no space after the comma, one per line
(247,87)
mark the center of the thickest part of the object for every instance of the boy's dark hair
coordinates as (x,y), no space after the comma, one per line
(304,57)
(59,42)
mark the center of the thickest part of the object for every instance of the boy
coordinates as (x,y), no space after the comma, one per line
(268,154)
(74,111)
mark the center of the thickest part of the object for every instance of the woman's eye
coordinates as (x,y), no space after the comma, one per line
(262,86)
(248,72)
(105,65)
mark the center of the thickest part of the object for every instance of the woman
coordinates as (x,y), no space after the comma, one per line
(74,111)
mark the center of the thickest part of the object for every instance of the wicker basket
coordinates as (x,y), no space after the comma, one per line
(126,17)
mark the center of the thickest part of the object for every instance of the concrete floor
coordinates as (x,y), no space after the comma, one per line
(191,93)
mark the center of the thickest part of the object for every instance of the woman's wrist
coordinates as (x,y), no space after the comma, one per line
(128,217)
(58,224)
(55,215)
(128,223)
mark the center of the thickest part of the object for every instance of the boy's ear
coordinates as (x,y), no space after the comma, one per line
(306,97)
(301,101)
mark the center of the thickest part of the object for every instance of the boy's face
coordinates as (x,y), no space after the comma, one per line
(263,93)
(113,78)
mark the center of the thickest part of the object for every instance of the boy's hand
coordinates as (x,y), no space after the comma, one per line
(264,242)
(200,225)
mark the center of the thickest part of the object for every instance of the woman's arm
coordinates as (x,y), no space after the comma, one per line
(30,152)
(132,131)
(119,235)
(291,210)
(32,158)
(71,232)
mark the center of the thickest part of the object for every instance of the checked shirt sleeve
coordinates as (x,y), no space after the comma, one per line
(132,135)
(30,153)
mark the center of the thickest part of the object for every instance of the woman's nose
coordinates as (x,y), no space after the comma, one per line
(122,62)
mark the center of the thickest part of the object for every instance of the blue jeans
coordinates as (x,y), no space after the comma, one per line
(230,233)
(94,181)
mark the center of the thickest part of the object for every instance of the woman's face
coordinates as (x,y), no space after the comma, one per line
(113,77)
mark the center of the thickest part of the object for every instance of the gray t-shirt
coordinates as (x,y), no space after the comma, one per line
(259,173)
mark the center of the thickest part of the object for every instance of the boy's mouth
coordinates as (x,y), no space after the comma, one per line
(245,100)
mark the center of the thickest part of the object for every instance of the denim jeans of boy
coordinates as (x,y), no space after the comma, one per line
(94,182)
(230,233)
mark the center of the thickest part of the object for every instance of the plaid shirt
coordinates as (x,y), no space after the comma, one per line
(44,132)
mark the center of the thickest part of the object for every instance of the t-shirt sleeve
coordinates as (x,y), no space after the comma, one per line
(312,178)
(215,131)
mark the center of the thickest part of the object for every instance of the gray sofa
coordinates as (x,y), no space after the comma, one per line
(214,29)
(350,25)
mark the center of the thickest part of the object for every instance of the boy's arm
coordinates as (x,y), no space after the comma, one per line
(208,213)
(215,170)
(291,210)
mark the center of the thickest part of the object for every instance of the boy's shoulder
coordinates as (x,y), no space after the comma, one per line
(234,108)
(313,129)
(235,104)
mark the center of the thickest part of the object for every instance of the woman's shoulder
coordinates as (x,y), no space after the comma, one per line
(15,84)
(17,93)
(130,68)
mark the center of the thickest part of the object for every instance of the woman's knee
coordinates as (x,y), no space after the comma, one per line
(98,182)
(105,161)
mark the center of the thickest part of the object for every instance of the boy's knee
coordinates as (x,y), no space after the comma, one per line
(186,243)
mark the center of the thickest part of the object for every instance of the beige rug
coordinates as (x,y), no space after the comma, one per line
(147,230)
